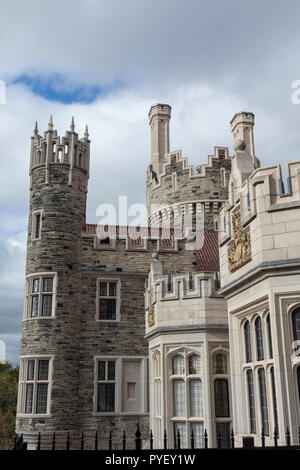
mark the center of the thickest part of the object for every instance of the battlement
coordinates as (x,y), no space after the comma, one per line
(52,149)
(180,184)
(187,300)
(259,224)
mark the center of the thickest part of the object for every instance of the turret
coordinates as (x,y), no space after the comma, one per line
(59,171)
(159,117)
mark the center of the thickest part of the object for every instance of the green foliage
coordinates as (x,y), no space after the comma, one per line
(9,377)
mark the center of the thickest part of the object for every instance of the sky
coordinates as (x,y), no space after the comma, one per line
(106,63)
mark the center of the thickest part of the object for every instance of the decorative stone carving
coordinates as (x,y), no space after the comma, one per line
(151,316)
(239,250)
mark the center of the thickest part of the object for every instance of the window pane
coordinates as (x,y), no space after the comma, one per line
(269,336)
(101,370)
(34,305)
(30,370)
(37,225)
(181,427)
(41,401)
(43,370)
(220,364)
(224,430)
(259,339)
(251,398)
(103,288)
(178,365)
(107,309)
(197,429)
(179,401)
(47,284)
(35,285)
(106,397)
(195,364)
(274,398)
(47,305)
(111,370)
(196,402)
(263,400)
(296,324)
(29,398)
(112,289)
(248,342)
(221,398)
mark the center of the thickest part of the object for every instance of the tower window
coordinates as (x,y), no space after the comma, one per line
(34,386)
(40,292)
(259,339)
(263,400)
(178,365)
(108,300)
(36,225)
(220,364)
(247,336)
(251,399)
(269,336)
(221,398)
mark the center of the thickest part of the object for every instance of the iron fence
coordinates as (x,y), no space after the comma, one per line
(90,441)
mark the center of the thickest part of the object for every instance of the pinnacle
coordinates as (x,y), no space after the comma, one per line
(86,133)
(50,124)
(72,127)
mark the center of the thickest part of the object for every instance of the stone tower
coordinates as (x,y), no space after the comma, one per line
(173,186)
(59,172)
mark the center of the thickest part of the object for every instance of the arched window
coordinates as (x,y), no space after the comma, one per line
(269,336)
(220,364)
(263,400)
(178,365)
(296,324)
(247,335)
(196,401)
(179,400)
(251,399)
(221,398)
(259,339)
(194,364)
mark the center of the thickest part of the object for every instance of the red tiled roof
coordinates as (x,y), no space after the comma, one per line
(207,256)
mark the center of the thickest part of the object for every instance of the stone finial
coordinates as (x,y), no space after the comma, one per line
(72,126)
(86,132)
(50,124)
(36,130)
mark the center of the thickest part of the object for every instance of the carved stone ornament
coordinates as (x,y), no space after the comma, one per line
(239,250)
(151,316)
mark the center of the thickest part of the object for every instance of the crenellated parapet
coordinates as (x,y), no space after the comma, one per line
(180,184)
(259,224)
(185,300)
(51,149)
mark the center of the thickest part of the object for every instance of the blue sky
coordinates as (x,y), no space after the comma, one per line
(105,66)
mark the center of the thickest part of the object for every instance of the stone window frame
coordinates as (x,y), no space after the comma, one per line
(118,283)
(119,385)
(35,214)
(29,294)
(187,420)
(23,382)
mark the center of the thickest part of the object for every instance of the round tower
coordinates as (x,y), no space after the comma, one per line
(59,172)
(174,188)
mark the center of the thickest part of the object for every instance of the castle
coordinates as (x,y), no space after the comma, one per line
(157,329)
